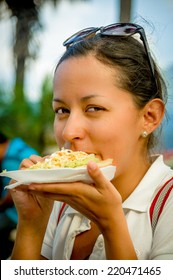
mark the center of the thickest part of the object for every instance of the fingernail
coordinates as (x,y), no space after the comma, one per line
(92,165)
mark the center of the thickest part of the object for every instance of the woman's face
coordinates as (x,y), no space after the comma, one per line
(93,115)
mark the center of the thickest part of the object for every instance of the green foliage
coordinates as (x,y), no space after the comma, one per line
(31,121)
(19,117)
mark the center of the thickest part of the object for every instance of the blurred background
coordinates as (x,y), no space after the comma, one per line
(31,36)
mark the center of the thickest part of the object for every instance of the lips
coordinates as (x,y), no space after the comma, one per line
(82,148)
(73,148)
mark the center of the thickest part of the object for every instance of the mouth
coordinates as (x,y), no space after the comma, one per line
(72,147)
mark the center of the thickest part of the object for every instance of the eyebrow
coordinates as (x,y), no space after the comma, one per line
(83,99)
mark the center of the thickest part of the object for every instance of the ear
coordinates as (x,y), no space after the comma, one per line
(153,114)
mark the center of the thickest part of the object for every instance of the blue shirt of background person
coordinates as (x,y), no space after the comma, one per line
(16,151)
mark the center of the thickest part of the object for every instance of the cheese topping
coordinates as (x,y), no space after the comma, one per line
(65,159)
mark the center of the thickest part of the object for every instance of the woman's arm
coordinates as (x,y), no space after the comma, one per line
(118,243)
(27,244)
(33,215)
(33,212)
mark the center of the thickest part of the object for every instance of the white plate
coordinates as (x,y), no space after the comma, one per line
(54,175)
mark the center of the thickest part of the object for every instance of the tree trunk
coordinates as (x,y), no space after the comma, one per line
(20,55)
(125,10)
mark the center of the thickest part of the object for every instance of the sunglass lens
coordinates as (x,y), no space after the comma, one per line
(80,35)
(119,29)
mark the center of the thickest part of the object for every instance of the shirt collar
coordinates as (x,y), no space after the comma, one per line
(142,195)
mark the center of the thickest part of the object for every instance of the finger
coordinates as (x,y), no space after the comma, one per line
(57,188)
(36,158)
(97,176)
(27,162)
(49,195)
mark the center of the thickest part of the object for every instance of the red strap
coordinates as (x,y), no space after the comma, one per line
(165,199)
(159,201)
(61,211)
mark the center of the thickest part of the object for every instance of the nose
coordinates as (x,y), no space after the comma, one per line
(74,128)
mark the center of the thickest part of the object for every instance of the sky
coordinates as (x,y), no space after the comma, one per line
(156,16)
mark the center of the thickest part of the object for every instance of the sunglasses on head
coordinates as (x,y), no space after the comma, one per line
(117,29)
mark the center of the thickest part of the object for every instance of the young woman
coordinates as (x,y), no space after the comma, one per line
(109,99)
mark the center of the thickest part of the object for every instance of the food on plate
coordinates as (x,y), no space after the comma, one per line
(66,158)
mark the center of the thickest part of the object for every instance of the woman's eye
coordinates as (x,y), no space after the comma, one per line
(61,111)
(95,109)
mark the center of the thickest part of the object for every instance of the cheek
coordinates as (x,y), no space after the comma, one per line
(118,133)
(103,134)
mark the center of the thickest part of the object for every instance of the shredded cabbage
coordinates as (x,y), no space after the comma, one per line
(65,158)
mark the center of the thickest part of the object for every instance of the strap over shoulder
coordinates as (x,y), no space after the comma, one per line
(159,201)
(61,212)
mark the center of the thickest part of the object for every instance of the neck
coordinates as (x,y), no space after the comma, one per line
(126,183)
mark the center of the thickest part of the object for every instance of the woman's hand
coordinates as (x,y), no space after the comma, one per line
(33,213)
(31,207)
(99,201)
(28,162)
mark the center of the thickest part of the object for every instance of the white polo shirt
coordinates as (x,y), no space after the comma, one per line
(58,241)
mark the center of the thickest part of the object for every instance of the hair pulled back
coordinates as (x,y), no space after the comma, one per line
(128,56)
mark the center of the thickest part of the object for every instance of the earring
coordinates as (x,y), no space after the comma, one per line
(144,134)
